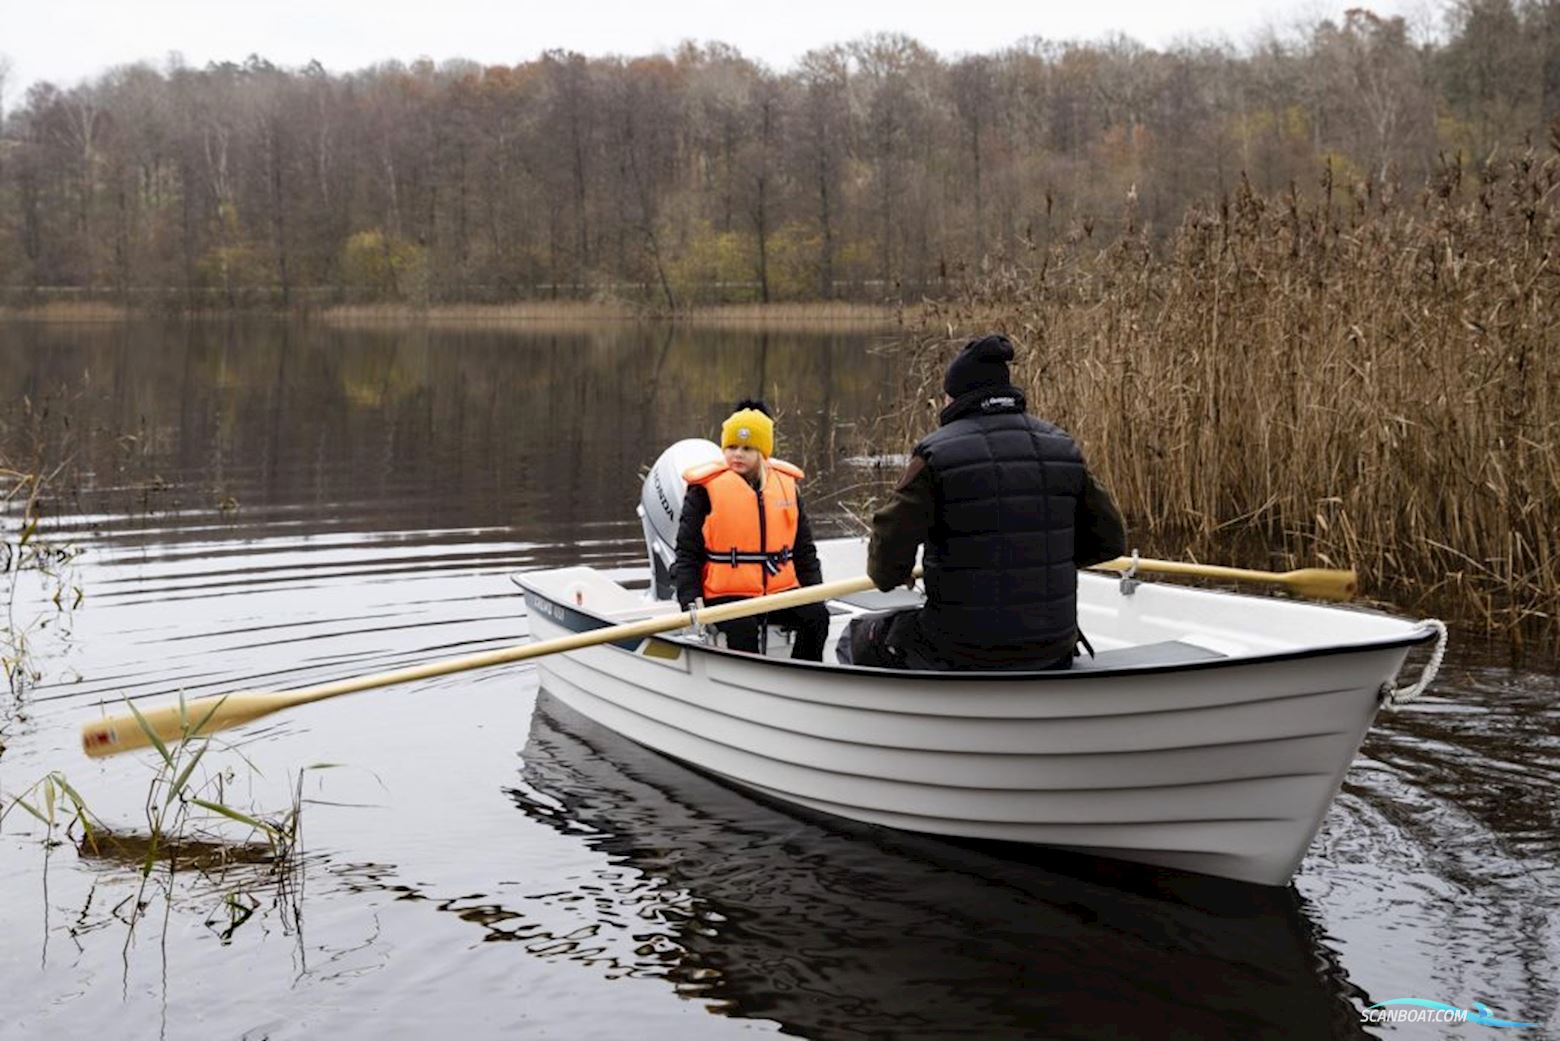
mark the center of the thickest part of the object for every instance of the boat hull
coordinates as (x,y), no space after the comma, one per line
(1225,770)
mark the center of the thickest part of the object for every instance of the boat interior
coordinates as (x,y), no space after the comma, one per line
(1132,623)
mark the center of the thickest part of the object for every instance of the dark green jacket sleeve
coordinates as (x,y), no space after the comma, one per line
(900,526)
(808,571)
(688,572)
(1100,532)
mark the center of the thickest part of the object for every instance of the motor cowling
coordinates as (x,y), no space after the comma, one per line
(660,505)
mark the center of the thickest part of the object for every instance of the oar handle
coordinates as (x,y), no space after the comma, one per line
(122,733)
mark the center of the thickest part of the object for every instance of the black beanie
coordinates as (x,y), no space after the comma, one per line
(982,363)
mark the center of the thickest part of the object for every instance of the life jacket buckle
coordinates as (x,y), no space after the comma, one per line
(773,562)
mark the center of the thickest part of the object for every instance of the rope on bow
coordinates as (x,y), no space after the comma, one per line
(1396,697)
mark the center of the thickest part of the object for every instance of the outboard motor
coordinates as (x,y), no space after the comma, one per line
(660,503)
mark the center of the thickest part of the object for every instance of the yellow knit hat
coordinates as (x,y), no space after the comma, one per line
(749,427)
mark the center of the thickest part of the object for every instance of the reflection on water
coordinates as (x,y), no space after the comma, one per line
(265,505)
(276,477)
(860,933)
(194,430)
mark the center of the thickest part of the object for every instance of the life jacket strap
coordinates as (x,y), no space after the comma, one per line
(772,562)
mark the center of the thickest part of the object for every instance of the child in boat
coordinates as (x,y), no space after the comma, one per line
(743,532)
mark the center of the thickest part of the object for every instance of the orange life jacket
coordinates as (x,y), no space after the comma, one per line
(748,547)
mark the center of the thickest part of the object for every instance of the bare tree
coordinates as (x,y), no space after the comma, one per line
(1494,76)
(974,90)
(823,147)
(1375,80)
(5,74)
(643,105)
(570,125)
(893,104)
(765,114)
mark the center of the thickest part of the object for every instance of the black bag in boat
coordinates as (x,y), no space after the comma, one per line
(882,640)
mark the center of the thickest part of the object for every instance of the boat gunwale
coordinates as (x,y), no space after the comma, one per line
(1417,637)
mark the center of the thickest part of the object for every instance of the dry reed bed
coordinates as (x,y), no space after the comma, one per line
(1366,378)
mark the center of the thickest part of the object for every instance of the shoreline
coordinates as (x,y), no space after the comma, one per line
(529,313)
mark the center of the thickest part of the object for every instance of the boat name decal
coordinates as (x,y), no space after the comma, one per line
(556,612)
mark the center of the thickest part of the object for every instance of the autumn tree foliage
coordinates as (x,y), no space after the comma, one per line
(870,170)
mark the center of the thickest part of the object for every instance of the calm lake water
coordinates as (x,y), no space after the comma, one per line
(266,505)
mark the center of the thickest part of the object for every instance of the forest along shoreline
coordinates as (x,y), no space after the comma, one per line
(864,172)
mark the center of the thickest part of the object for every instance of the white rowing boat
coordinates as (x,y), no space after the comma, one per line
(1210,733)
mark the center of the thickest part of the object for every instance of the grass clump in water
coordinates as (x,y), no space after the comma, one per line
(189,834)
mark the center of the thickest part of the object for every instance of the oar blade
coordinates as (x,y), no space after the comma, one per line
(1314,582)
(1323,583)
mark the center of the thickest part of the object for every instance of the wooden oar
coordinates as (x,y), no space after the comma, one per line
(1318,583)
(114,734)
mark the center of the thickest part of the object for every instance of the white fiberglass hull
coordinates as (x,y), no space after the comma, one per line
(1224,765)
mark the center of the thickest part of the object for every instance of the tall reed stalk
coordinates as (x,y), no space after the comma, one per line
(29,555)
(1355,375)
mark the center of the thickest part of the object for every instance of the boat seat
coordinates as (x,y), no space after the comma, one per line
(873,600)
(1165,652)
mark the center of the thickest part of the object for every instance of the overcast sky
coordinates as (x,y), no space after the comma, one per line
(66,41)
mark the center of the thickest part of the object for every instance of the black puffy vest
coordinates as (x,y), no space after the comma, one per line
(1002,586)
